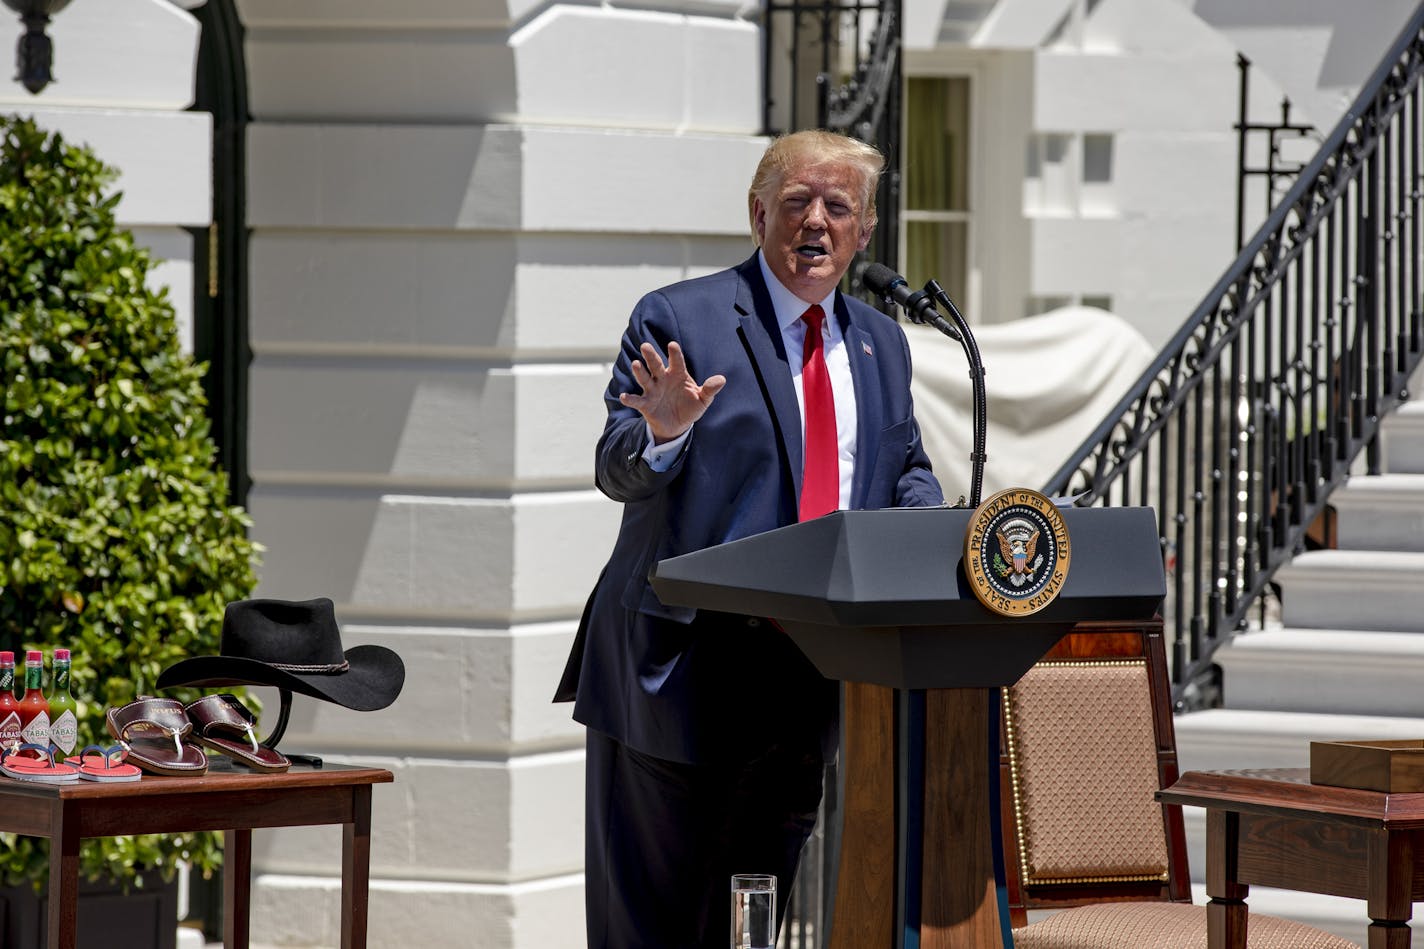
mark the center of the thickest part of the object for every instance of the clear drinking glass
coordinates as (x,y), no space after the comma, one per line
(753,911)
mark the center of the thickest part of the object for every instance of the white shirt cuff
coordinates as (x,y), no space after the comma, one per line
(661,457)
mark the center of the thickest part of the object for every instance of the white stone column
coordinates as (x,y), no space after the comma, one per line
(454,207)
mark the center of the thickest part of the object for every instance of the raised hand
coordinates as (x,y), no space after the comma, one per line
(671,399)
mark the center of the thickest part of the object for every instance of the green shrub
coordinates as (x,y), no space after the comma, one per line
(116,538)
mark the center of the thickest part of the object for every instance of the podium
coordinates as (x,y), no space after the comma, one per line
(879,601)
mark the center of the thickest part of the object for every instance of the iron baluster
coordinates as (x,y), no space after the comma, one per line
(1274,132)
(1369,314)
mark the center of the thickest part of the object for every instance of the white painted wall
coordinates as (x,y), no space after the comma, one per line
(123,76)
(1317,51)
(454,208)
(1159,77)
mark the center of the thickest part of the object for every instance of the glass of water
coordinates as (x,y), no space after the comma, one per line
(753,911)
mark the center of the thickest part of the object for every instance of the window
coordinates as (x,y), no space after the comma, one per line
(937,216)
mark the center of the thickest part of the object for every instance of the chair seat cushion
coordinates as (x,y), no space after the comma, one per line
(1161,926)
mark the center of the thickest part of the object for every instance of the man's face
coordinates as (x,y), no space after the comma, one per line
(810,226)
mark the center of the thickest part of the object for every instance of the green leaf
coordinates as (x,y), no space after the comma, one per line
(116,538)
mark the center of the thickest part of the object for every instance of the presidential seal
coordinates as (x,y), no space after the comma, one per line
(1016,552)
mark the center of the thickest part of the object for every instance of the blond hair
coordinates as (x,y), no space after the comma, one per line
(815,147)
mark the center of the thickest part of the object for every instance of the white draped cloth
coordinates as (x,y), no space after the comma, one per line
(1050,381)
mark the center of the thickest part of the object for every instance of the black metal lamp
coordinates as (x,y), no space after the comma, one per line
(34,55)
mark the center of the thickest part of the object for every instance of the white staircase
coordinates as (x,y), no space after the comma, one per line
(1347,660)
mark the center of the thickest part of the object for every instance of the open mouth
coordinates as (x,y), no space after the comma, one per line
(812,251)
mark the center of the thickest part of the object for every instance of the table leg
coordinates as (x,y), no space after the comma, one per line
(1388,936)
(63,920)
(1226,913)
(237,888)
(1390,859)
(356,870)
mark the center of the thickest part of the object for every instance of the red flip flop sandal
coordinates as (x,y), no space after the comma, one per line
(221,723)
(107,764)
(43,770)
(154,730)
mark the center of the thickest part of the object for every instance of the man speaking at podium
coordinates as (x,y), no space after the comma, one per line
(740,402)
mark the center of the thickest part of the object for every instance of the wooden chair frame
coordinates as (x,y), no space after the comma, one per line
(1091,642)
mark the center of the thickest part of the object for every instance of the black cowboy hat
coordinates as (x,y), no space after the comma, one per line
(295,646)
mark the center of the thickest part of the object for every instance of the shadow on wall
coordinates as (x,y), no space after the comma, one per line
(1319,50)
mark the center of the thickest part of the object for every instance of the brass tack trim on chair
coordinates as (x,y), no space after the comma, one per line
(1016,779)
(1064,881)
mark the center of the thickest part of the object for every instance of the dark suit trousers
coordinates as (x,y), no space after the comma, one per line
(664,838)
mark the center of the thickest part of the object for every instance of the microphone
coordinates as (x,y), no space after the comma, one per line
(919,306)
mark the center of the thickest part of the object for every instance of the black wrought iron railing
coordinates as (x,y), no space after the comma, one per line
(1274,168)
(835,64)
(1254,412)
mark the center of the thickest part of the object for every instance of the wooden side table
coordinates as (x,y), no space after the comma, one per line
(1274,828)
(232,802)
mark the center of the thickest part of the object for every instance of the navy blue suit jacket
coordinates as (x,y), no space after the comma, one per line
(665,680)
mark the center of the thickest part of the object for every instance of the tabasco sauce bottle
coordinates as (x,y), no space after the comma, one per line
(9,705)
(63,710)
(34,710)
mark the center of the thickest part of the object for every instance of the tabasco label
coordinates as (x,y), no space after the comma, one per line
(64,732)
(36,730)
(10,728)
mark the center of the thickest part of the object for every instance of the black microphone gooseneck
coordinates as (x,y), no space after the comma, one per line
(919,305)
(976,379)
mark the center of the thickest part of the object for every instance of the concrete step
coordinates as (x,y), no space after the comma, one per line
(1354,589)
(1402,439)
(1345,666)
(1381,512)
(1332,671)
(1228,738)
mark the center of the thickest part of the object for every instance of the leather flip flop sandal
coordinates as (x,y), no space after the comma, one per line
(154,730)
(41,770)
(107,765)
(221,723)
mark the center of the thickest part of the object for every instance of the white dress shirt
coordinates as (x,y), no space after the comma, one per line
(789,309)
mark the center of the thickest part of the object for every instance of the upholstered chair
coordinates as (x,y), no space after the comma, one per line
(1088,740)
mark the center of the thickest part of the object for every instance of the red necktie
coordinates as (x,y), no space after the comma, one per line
(821,476)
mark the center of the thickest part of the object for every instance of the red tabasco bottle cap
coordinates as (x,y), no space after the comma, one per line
(34,655)
(7,658)
(62,655)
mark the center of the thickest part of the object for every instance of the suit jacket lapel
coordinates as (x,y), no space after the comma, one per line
(768,353)
(869,406)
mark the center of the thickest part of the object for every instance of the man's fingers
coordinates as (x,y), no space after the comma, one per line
(711,387)
(674,387)
(653,359)
(677,363)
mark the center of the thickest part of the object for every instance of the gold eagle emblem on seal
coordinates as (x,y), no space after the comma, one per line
(1016,552)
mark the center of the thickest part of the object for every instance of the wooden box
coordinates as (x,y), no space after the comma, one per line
(1385,764)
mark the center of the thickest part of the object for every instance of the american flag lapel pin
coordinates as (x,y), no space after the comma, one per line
(865,347)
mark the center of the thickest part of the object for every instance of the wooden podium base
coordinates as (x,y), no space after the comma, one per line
(919,817)
(879,601)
